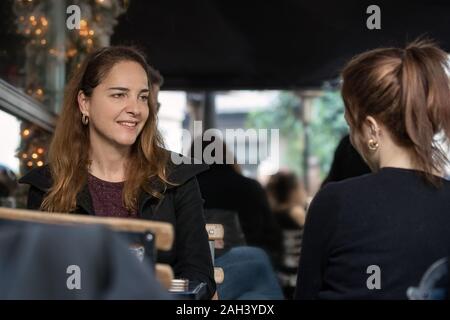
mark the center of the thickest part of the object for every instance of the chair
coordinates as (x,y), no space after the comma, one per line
(233,236)
(215,235)
(434,284)
(225,232)
(159,233)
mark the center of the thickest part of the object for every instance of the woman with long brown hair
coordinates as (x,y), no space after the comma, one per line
(107,158)
(373,236)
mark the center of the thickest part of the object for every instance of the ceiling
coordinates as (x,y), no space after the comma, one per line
(270,44)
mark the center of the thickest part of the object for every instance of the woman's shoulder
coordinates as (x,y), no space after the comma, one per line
(349,185)
(39,178)
(181,169)
(335,197)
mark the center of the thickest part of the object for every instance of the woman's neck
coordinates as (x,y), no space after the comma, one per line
(401,158)
(108,162)
(396,161)
(393,155)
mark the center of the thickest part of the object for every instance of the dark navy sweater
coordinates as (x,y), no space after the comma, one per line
(392,220)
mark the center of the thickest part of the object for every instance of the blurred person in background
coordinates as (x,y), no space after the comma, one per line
(8,181)
(223,186)
(157,82)
(248,260)
(347,163)
(287,198)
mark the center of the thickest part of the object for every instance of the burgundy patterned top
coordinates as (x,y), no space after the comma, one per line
(107,198)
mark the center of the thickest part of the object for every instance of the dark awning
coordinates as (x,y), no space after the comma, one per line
(205,44)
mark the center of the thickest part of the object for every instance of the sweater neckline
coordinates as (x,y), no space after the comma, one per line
(407,170)
(104,182)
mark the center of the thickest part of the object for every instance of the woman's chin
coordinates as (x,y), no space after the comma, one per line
(125,141)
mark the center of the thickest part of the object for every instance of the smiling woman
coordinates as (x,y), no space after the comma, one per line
(107,158)
(117,110)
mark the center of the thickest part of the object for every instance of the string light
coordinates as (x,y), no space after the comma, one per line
(40,163)
(72,52)
(26,132)
(30,163)
(40,150)
(34,155)
(24,156)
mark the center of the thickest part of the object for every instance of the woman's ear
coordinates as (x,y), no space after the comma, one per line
(372,128)
(83,103)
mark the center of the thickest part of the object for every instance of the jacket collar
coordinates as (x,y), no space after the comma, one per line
(178,175)
(39,178)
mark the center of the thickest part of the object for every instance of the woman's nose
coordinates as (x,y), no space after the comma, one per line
(133,106)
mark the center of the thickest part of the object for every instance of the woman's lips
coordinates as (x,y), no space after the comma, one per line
(128,124)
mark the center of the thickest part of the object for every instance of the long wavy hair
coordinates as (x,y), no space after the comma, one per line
(69,150)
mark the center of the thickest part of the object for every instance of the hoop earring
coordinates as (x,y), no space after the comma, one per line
(84,119)
(373,145)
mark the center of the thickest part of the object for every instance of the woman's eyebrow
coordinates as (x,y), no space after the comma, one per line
(119,88)
(126,89)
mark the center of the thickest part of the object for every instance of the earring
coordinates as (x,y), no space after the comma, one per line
(373,145)
(84,119)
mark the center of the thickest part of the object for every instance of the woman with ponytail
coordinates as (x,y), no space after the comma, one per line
(373,236)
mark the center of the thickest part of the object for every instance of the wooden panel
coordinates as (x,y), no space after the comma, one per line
(164,274)
(215,231)
(219,275)
(163,231)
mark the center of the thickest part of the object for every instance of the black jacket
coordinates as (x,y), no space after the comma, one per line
(182,206)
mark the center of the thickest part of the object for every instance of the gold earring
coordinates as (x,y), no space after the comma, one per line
(84,119)
(373,145)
